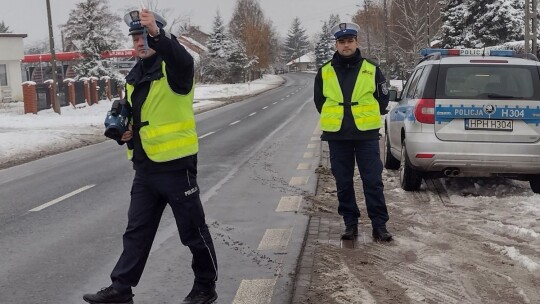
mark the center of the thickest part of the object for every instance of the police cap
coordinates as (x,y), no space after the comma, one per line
(347,29)
(133,20)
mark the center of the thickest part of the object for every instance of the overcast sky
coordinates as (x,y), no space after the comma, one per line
(30,16)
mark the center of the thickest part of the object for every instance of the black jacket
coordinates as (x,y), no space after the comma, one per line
(180,70)
(347,70)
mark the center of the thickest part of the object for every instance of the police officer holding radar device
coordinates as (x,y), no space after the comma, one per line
(163,148)
(351,95)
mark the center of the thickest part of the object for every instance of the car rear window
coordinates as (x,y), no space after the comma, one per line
(488,82)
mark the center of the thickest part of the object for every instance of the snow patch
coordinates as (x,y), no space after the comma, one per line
(351,290)
(515,255)
(518,231)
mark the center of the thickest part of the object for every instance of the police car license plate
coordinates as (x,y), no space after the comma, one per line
(489,124)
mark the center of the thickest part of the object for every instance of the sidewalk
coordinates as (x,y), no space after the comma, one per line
(334,271)
(325,227)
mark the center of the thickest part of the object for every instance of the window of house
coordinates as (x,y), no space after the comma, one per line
(3,75)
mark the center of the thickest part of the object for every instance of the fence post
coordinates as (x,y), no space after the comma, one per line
(70,90)
(107,87)
(50,92)
(86,90)
(29,97)
(94,90)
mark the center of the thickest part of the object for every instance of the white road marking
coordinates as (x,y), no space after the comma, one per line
(61,198)
(235,122)
(282,99)
(275,239)
(255,291)
(252,114)
(289,204)
(207,134)
(308,154)
(274,102)
(265,108)
(298,180)
(312,146)
(303,166)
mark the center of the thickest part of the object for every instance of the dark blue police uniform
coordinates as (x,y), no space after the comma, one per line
(349,145)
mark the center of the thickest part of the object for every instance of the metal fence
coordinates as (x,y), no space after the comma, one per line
(44,97)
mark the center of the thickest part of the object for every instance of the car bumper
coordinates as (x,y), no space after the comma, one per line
(473,158)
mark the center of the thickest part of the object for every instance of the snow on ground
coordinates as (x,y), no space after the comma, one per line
(22,134)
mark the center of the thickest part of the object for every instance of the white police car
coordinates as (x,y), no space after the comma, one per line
(466,112)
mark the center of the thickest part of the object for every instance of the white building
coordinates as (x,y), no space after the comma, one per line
(303,63)
(11,54)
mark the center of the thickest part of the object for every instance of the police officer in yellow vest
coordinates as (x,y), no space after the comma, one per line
(351,95)
(159,89)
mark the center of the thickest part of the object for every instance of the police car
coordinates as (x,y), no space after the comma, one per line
(466,112)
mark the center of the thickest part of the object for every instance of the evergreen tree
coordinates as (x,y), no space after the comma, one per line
(502,22)
(238,61)
(217,41)
(226,57)
(323,49)
(333,20)
(94,29)
(216,64)
(4,28)
(296,43)
(493,22)
(453,22)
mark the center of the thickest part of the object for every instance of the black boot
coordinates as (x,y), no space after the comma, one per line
(381,234)
(200,297)
(350,233)
(109,295)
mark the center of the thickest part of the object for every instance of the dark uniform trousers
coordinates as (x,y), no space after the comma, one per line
(367,154)
(149,195)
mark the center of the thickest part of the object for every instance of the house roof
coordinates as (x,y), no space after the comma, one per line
(309,57)
(13,35)
(194,48)
(192,44)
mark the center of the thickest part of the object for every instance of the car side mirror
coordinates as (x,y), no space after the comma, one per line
(392,95)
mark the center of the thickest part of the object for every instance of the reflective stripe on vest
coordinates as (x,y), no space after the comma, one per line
(364,107)
(170,133)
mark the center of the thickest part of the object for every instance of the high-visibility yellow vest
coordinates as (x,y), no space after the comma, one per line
(364,107)
(170,133)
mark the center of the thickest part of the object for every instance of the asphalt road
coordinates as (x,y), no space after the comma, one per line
(62,217)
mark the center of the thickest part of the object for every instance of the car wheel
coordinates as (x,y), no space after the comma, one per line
(409,178)
(535,183)
(390,162)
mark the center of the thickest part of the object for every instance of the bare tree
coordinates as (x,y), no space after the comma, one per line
(249,26)
(37,47)
(370,18)
(409,28)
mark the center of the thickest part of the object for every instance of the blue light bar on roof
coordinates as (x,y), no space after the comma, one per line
(469,52)
(502,53)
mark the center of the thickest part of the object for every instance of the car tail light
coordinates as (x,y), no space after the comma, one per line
(424,111)
(424,155)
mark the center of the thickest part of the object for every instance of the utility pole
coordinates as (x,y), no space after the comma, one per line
(54,100)
(428,23)
(531,27)
(386,31)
